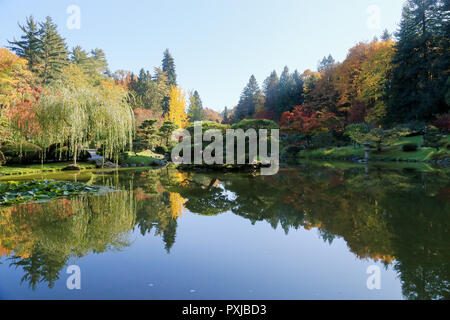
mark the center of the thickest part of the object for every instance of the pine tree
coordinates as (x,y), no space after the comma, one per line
(168,66)
(53,53)
(290,91)
(195,110)
(79,56)
(251,97)
(29,47)
(225,115)
(141,86)
(298,97)
(386,36)
(271,88)
(93,64)
(99,61)
(421,63)
(326,63)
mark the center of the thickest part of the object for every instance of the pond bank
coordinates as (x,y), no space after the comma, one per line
(394,154)
(13,170)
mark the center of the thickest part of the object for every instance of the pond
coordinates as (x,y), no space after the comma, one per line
(309,232)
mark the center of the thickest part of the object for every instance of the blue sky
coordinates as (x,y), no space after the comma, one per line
(217,44)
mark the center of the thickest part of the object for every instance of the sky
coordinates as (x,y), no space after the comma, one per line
(217,44)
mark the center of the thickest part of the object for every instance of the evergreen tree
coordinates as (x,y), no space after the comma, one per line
(386,36)
(421,63)
(195,110)
(251,97)
(53,54)
(133,82)
(168,66)
(298,97)
(290,91)
(326,63)
(79,56)
(93,64)
(99,61)
(142,83)
(225,115)
(29,47)
(271,89)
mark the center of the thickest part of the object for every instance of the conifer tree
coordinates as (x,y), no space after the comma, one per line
(421,62)
(251,97)
(271,88)
(53,54)
(168,66)
(386,36)
(195,110)
(99,61)
(29,45)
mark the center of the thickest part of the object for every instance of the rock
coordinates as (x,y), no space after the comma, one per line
(107,164)
(72,167)
(110,165)
(159,162)
(98,163)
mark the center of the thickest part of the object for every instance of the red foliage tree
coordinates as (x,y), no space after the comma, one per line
(23,115)
(308,122)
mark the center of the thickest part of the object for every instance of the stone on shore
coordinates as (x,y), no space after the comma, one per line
(72,167)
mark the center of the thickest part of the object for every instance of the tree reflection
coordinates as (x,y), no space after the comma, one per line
(398,217)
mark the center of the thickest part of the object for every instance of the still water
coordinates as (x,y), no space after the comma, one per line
(310,232)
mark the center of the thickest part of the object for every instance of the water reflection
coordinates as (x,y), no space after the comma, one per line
(395,216)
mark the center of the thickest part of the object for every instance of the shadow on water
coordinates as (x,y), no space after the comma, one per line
(398,216)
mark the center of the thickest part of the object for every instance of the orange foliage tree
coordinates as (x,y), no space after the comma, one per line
(212,115)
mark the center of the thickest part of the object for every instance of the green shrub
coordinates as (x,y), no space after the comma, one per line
(123,157)
(161,150)
(208,125)
(409,147)
(433,138)
(255,124)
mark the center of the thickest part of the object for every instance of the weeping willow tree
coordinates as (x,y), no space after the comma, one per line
(84,114)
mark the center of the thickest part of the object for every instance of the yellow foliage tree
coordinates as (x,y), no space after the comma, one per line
(176,205)
(177,107)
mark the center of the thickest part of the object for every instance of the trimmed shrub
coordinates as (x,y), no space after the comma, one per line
(255,124)
(123,158)
(208,125)
(161,150)
(409,147)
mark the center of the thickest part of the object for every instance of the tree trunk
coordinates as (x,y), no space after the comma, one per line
(75,152)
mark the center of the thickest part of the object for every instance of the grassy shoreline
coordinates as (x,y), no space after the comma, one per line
(16,170)
(392,153)
(142,159)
